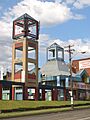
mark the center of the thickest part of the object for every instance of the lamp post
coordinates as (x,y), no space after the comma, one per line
(71,81)
(70,51)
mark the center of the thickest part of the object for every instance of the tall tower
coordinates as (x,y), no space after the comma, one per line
(25,51)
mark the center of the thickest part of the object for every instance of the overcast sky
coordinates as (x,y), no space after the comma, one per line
(62,21)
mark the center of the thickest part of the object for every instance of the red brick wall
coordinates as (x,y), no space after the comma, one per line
(17,75)
(75,66)
(88,71)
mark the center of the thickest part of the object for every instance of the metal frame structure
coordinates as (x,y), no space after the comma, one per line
(25,22)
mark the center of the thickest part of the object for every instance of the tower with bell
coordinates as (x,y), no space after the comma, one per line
(25,53)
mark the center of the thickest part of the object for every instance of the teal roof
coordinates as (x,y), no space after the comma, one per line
(81,72)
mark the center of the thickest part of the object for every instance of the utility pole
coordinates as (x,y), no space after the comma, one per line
(70,51)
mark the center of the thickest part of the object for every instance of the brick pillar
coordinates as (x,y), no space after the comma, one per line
(25,93)
(56,94)
(52,94)
(13,93)
(43,94)
(65,96)
(0,91)
(36,93)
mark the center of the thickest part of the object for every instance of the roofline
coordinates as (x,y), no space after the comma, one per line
(82,59)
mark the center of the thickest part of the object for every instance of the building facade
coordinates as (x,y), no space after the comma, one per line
(56,75)
(81,68)
(53,80)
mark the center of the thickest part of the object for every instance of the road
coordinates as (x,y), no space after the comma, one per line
(83,114)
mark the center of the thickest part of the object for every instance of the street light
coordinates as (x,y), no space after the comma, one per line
(70,51)
(71,81)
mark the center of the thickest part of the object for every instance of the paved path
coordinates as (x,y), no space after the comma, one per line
(69,115)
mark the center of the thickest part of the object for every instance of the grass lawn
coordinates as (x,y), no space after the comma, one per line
(11,105)
(37,112)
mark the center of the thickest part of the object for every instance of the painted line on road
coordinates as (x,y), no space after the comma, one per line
(87,118)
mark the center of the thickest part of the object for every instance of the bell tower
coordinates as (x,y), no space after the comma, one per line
(25,53)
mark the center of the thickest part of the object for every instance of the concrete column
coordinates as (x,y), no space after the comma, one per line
(13,59)
(25,60)
(0,91)
(43,94)
(36,65)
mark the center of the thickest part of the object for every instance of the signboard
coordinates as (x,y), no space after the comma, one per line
(84,64)
(83,86)
(79,85)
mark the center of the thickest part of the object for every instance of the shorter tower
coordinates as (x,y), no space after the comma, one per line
(54,72)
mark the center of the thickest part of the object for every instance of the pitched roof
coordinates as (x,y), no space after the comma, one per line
(55,45)
(81,72)
(55,68)
(25,16)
